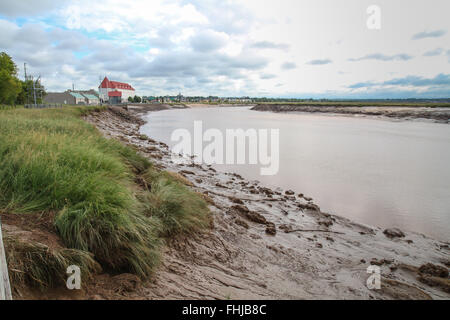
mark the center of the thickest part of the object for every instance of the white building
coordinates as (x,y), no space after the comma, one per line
(113,86)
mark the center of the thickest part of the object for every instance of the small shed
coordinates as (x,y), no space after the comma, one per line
(91,99)
(79,98)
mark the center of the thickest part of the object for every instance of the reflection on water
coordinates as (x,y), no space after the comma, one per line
(379,172)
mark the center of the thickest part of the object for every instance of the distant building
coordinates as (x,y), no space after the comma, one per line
(59,98)
(80,97)
(115,92)
(91,99)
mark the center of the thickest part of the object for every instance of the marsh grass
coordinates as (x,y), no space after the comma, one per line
(180,209)
(52,160)
(37,265)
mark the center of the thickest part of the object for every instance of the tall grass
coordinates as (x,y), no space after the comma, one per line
(179,209)
(37,265)
(52,160)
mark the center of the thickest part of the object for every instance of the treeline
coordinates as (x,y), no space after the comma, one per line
(12,89)
(136,99)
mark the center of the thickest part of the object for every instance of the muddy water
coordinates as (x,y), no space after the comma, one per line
(379,172)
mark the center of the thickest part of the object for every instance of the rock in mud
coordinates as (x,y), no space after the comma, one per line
(250,215)
(289,192)
(236,200)
(221,185)
(286,228)
(186,172)
(266,191)
(271,229)
(442,283)
(434,270)
(394,233)
(241,223)
(326,223)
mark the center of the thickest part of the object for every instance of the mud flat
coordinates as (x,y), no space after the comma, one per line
(437,114)
(276,244)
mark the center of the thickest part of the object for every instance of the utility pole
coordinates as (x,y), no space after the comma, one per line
(34,94)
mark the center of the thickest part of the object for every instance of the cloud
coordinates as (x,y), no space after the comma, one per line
(430,34)
(319,62)
(162,46)
(435,52)
(269,45)
(383,57)
(23,8)
(440,80)
(266,76)
(288,66)
(208,40)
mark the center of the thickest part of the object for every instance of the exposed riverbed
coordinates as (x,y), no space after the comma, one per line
(273,244)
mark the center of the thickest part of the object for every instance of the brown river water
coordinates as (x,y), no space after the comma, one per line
(378,172)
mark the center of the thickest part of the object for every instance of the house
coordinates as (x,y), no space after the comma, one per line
(91,99)
(107,86)
(79,98)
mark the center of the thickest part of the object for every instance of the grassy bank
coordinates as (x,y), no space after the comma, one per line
(53,163)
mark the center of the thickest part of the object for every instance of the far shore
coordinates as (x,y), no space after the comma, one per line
(435,113)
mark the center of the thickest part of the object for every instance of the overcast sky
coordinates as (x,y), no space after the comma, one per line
(282,48)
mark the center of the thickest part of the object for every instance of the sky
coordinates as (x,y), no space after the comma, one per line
(298,48)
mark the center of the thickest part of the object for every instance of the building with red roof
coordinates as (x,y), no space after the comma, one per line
(114,91)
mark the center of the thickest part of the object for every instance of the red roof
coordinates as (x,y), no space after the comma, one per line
(115,85)
(114,94)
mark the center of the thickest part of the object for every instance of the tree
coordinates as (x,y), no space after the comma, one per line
(137,99)
(130,99)
(27,87)
(10,86)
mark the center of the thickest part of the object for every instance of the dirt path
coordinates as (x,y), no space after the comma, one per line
(254,252)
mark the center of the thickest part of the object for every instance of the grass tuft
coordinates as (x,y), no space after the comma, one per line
(179,209)
(37,265)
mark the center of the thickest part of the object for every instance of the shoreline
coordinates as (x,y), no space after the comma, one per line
(268,244)
(435,114)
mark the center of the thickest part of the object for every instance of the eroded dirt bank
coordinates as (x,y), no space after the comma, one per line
(397,112)
(275,244)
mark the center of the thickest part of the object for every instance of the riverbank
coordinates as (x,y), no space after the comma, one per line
(68,196)
(434,113)
(277,244)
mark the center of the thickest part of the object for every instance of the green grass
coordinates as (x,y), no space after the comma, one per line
(179,209)
(53,161)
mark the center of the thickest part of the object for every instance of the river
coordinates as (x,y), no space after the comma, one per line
(378,172)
